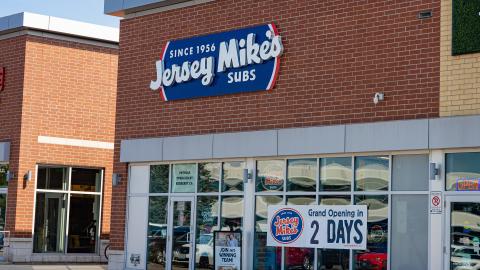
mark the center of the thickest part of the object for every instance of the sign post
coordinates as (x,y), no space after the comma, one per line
(228,250)
(317,226)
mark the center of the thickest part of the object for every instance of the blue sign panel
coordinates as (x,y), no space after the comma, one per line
(243,60)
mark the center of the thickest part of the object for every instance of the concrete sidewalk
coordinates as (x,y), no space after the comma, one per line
(53,267)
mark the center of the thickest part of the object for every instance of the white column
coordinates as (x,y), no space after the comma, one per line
(436,230)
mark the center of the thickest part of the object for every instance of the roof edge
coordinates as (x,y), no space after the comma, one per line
(27,20)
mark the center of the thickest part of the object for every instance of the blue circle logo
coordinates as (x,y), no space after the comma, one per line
(286,225)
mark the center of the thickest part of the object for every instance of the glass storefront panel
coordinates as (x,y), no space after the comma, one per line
(209,177)
(335,174)
(233,176)
(410,173)
(83,223)
(267,258)
(50,219)
(52,178)
(333,259)
(371,173)
(207,222)
(232,213)
(302,174)
(3,208)
(300,257)
(159,178)
(464,235)
(87,180)
(462,172)
(3,175)
(375,257)
(157,233)
(270,175)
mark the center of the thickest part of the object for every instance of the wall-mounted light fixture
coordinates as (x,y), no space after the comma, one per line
(434,171)
(115,179)
(247,175)
(379,96)
(27,176)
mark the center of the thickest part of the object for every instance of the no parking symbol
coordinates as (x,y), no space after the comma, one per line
(436,202)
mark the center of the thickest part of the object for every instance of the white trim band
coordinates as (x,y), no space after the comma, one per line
(75,142)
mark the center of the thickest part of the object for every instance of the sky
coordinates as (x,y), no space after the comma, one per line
(80,10)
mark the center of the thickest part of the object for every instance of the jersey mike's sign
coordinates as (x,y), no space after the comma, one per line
(318,226)
(243,60)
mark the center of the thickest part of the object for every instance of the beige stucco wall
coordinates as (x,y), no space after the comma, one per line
(459,75)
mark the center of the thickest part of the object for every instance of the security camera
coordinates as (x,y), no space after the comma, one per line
(377,97)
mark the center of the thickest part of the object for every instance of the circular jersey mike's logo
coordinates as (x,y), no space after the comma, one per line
(286,225)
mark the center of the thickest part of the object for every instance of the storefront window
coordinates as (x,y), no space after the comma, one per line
(232,213)
(371,173)
(335,174)
(233,176)
(462,172)
(157,233)
(3,175)
(302,174)
(377,240)
(269,258)
(207,222)
(464,235)
(330,259)
(300,257)
(410,173)
(270,175)
(159,178)
(55,201)
(209,177)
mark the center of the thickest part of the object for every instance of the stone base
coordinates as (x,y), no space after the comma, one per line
(116,260)
(20,250)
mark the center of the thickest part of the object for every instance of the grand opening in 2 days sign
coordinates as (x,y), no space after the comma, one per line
(333,227)
(242,60)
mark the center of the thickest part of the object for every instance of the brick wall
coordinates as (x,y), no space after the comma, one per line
(459,75)
(69,91)
(337,55)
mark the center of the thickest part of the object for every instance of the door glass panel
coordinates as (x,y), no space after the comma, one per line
(50,213)
(464,235)
(83,223)
(181,253)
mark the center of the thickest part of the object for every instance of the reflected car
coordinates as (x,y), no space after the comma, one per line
(204,254)
(371,261)
(157,241)
(181,244)
(297,258)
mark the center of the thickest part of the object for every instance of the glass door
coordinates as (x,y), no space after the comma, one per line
(463,232)
(181,238)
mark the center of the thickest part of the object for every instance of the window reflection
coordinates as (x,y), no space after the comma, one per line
(302,175)
(375,257)
(157,233)
(465,235)
(208,177)
(371,173)
(463,171)
(270,175)
(159,178)
(300,257)
(268,258)
(335,174)
(207,217)
(334,259)
(233,176)
(232,213)
(3,175)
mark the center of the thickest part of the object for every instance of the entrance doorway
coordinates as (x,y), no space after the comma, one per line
(463,232)
(180,244)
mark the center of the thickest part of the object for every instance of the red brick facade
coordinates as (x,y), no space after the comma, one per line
(60,89)
(337,55)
